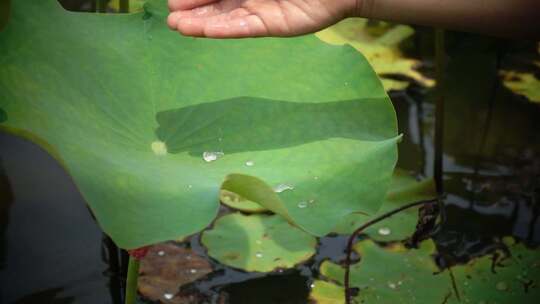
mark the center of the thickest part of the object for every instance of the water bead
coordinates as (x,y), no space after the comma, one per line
(384,231)
(282,187)
(212,156)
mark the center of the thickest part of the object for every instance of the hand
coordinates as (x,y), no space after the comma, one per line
(254,18)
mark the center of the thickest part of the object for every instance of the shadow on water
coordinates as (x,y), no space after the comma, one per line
(255,124)
(50,296)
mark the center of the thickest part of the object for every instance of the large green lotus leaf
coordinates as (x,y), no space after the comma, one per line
(380,44)
(397,275)
(257,242)
(404,189)
(129,107)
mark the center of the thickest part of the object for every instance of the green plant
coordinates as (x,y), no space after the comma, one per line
(151,125)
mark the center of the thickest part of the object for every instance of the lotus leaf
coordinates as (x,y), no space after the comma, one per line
(150,124)
(257,242)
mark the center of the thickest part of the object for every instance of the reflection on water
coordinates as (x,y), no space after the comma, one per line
(52,245)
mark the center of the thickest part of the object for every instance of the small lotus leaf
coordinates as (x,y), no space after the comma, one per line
(525,84)
(404,189)
(257,242)
(398,275)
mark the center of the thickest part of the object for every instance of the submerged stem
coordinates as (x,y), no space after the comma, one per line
(132,279)
(348,295)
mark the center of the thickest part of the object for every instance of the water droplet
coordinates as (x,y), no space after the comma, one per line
(193,270)
(211,156)
(250,163)
(168,296)
(502,286)
(282,187)
(312,285)
(392,285)
(302,205)
(159,148)
(384,231)
(258,255)
(161,253)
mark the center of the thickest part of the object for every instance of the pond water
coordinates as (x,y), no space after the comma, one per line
(52,251)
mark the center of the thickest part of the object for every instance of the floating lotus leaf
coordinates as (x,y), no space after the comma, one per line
(380,44)
(397,275)
(404,189)
(513,280)
(257,242)
(129,108)
(525,84)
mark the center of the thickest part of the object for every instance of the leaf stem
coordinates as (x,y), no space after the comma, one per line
(354,235)
(124,6)
(132,279)
(439,111)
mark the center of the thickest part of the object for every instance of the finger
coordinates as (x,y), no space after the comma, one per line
(223,26)
(248,26)
(198,12)
(175,5)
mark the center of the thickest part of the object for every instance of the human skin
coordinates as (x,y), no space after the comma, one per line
(255,18)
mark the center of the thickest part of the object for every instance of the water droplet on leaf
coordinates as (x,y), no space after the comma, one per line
(282,187)
(212,156)
(250,163)
(302,205)
(258,255)
(384,231)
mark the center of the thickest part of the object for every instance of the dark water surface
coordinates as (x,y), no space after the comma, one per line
(51,249)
